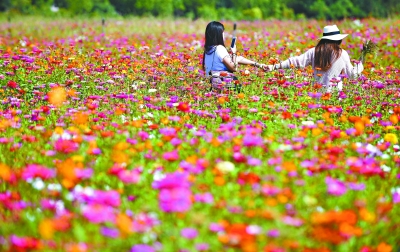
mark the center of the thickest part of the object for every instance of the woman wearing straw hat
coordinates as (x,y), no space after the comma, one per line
(327,59)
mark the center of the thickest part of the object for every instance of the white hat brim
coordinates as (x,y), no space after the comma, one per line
(335,37)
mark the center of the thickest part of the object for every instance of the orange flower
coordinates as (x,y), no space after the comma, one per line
(124,224)
(384,247)
(359,126)
(289,166)
(57,96)
(349,230)
(5,172)
(46,229)
(80,118)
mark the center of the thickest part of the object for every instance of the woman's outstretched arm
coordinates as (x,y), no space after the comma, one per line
(232,62)
(300,61)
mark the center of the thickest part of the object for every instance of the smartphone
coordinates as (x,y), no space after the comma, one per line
(233,42)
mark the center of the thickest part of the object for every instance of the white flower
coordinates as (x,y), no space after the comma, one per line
(386,168)
(152,90)
(38,184)
(285,147)
(357,23)
(158,175)
(307,123)
(253,229)
(225,166)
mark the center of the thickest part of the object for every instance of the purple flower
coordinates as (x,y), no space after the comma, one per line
(396,197)
(273,233)
(356,186)
(254,161)
(142,248)
(189,233)
(251,141)
(109,232)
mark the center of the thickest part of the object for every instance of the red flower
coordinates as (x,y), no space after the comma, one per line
(12,84)
(183,107)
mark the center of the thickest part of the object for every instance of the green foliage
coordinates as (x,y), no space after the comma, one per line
(253,13)
(212,9)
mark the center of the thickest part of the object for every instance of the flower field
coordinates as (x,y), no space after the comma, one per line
(111,140)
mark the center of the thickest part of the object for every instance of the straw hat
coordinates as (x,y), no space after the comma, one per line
(331,32)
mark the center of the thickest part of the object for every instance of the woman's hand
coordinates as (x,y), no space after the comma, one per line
(267,68)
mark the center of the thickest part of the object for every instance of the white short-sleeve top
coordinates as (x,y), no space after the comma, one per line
(213,59)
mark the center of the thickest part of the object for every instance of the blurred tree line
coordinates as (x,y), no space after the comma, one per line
(208,9)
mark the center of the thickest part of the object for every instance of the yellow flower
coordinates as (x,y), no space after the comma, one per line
(390,137)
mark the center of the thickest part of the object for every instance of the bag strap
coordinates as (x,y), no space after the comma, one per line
(212,64)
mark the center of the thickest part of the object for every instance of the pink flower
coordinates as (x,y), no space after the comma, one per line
(189,233)
(171,156)
(96,213)
(204,198)
(143,222)
(335,187)
(175,200)
(129,176)
(172,180)
(37,171)
(65,146)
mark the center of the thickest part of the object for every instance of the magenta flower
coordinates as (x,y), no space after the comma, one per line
(171,156)
(396,197)
(109,232)
(273,233)
(37,171)
(175,194)
(111,198)
(335,187)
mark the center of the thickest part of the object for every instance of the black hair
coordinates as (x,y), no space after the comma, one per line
(214,36)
